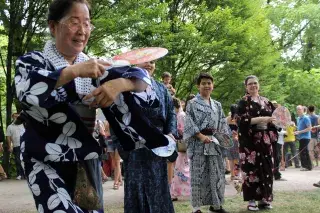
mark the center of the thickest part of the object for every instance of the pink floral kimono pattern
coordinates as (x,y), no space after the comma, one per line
(256,153)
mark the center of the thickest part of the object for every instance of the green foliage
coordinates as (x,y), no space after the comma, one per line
(296,30)
(229,39)
(276,40)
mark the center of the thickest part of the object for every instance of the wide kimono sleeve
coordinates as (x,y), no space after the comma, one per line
(134,73)
(244,117)
(223,126)
(126,116)
(190,126)
(35,82)
(170,125)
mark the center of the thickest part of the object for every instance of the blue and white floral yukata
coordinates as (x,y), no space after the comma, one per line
(56,138)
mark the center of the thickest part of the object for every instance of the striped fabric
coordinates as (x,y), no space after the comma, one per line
(87,115)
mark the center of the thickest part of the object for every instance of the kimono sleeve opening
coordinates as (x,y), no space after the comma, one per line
(129,73)
(223,127)
(146,98)
(35,83)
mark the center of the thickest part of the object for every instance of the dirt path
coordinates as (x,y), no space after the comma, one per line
(15,196)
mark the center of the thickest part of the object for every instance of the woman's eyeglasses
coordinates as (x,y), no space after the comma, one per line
(74,26)
(252,83)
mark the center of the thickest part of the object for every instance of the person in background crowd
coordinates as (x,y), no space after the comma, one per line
(204,116)
(257,135)
(166,79)
(3,175)
(303,133)
(112,149)
(14,132)
(313,148)
(180,185)
(233,153)
(278,151)
(290,141)
(100,134)
(107,164)
(280,144)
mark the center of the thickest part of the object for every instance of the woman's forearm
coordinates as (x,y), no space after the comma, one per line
(258,120)
(67,75)
(132,84)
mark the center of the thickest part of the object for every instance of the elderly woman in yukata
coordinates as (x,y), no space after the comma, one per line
(204,116)
(52,86)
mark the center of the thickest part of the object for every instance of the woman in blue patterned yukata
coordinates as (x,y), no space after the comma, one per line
(146,180)
(52,86)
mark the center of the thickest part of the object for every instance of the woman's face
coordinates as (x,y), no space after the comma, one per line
(149,66)
(205,87)
(252,86)
(72,32)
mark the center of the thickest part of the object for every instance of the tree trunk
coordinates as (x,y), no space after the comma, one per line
(6,153)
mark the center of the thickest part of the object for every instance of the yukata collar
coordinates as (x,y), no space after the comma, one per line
(56,59)
(202,100)
(83,85)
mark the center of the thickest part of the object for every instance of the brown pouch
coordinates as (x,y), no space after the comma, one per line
(85,195)
(181,146)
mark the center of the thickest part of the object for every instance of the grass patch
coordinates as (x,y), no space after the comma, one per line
(284,202)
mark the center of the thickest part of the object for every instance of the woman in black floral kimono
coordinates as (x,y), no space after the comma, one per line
(256,136)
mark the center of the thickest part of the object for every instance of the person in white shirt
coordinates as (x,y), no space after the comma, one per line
(14,132)
(280,144)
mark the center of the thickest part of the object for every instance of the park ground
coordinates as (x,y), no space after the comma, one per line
(296,195)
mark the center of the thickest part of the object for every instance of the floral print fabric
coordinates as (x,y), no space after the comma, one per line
(55,135)
(256,153)
(180,185)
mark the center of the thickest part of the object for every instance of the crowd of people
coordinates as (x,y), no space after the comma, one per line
(66,153)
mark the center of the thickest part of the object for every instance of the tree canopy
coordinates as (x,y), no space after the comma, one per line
(277,40)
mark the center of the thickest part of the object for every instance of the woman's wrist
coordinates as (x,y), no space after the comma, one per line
(71,72)
(124,84)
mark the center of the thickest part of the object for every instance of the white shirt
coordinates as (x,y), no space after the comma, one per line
(281,136)
(15,132)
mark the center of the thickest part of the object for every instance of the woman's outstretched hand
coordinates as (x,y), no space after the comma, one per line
(105,95)
(93,68)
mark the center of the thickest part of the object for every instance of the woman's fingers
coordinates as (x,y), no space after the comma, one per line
(94,93)
(101,69)
(102,97)
(104,63)
(105,94)
(92,68)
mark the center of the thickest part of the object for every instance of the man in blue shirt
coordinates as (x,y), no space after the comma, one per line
(313,149)
(304,135)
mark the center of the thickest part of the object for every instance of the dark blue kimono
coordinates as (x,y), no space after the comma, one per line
(146,179)
(56,138)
